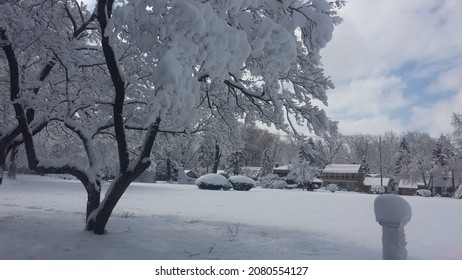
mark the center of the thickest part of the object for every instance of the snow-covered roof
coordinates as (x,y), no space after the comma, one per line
(408,184)
(283,167)
(373,181)
(342,168)
(251,168)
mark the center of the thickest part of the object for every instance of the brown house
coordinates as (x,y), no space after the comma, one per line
(348,176)
(283,170)
(370,182)
(408,187)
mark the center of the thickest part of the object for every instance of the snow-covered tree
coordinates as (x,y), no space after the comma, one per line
(333,142)
(161,66)
(47,45)
(236,161)
(303,173)
(206,153)
(307,150)
(255,140)
(443,158)
(266,163)
(403,158)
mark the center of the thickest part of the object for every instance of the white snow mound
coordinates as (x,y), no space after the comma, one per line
(213,179)
(241,179)
(391,208)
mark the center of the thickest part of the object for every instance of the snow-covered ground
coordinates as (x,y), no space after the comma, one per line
(43,218)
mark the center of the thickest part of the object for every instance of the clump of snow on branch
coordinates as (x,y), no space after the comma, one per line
(192,50)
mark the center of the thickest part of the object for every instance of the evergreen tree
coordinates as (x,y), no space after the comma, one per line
(443,152)
(307,150)
(266,163)
(403,158)
(206,154)
(235,161)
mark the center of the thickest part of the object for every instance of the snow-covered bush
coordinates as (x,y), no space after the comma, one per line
(378,189)
(241,183)
(424,193)
(332,187)
(272,181)
(213,182)
(458,193)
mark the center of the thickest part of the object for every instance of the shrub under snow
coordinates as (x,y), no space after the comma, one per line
(424,193)
(458,193)
(241,183)
(332,187)
(378,189)
(213,182)
(273,181)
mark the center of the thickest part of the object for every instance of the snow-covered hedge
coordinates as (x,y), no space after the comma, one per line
(458,193)
(378,189)
(213,182)
(332,187)
(424,193)
(273,181)
(241,183)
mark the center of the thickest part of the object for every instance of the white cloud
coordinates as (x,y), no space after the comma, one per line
(371,125)
(447,81)
(436,118)
(367,97)
(388,58)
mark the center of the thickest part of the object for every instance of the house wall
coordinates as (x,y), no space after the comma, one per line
(350,181)
(404,191)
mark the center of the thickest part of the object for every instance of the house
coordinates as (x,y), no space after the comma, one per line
(409,187)
(377,181)
(251,172)
(443,185)
(348,176)
(283,170)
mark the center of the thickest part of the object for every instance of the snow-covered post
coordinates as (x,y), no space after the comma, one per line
(392,213)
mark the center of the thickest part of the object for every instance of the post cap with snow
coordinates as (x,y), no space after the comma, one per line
(391,209)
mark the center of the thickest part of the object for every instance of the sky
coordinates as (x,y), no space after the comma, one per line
(396,65)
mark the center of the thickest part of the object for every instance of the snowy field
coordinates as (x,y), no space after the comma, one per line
(43,218)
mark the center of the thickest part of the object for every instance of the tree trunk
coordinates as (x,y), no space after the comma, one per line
(99,220)
(2,164)
(93,202)
(216,161)
(13,163)
(169,170)
(1,173)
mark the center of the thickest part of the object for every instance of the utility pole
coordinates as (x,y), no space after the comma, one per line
(380,160)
